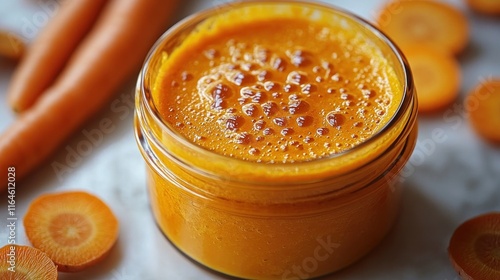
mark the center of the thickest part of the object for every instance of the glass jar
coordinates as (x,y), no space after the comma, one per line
(274,221)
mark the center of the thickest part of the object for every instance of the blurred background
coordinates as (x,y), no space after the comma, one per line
(446,181)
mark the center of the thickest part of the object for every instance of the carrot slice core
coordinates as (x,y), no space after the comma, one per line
(70,229)
(75,229)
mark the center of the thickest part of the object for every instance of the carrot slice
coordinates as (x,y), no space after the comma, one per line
(483,106)
(75,229)
(487,7)
(425,22)
(23,262)
(437,78)
(474,248)
(11,46)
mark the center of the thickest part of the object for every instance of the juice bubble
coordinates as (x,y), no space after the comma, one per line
(286,131)
(258,97)
(269,108)
(288,88)
(253,93)
(293,97)
(249,109)
(303,121)
(322,131)
(231,121)
(236,77)
(247,66)
(253,151)
(279,121)
(296,77)
(269,86)
(186,76)
(261,54)
(248,57)
(262,75)
(308,139)
(221,90)
(299,57)
(242,100)
(218,103)
(336,77)
(210,54)
(216,93)
(368,93)
(199,138)
(335,119)
(306,88)
(259,125)
(297,106)
(345,96)
(326,65)
(242,138)
(268,131)
(278,63)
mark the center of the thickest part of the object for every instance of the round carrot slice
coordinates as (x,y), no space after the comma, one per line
(75,229)
(425,22)
(437,78)
(487,7)
(25,263)
(11,46)
(474,248)
(483,106)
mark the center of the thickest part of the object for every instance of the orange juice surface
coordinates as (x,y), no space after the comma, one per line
(276,90)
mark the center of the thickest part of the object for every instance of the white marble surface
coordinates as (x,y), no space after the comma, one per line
(451,181)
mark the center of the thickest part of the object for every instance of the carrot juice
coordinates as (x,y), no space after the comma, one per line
(273,133)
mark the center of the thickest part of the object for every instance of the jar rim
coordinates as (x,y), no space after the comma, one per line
(402,63)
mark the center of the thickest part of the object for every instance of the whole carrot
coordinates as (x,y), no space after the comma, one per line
(112,51)
(49,52)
